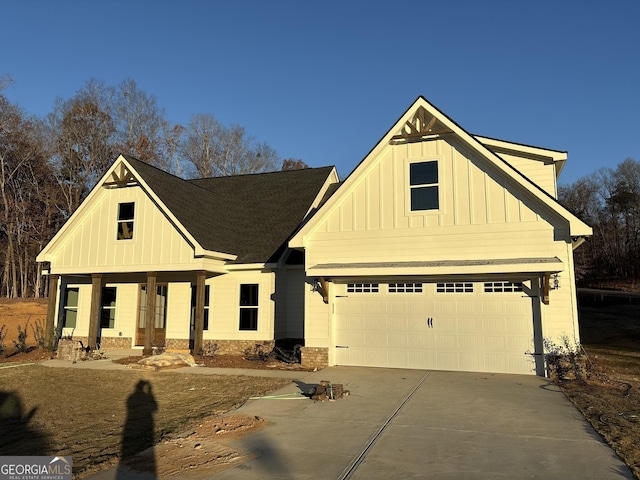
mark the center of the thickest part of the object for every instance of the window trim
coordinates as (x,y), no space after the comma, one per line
(252,307)
(503,286)
(407,287)
(411,187)
(142,306)
(454,287)
(207,300)
(125,221)
(363,287)
(104,308)
(67,308)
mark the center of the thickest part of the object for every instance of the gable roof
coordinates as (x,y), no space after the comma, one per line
(264,209)
(243,219)
(422,119)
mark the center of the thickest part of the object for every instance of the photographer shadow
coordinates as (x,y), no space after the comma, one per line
(138,437)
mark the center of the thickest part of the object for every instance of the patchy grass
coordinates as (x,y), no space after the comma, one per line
(85,413)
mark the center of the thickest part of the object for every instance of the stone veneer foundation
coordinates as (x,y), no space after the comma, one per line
(115,343)
(224,347)
(314,357)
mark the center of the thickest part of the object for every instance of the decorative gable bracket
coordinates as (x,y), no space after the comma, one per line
(121,176)
(422,124)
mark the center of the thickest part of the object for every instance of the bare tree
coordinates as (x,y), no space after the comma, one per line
(293,164)
(26,212)
(215,150)
(141,126)
(82,133)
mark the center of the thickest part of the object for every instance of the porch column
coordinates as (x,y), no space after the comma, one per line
(150,317)
(199,326)
(51,310)
(94,318)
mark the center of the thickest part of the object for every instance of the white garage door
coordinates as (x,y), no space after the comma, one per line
(467,326)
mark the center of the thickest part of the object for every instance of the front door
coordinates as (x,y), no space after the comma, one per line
(160,323)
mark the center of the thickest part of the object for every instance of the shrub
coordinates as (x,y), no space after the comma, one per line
(3,336)
(565,361)
(21,344)
(210,349)
(257,352)
(40,336)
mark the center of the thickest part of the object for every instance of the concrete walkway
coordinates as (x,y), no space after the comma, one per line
(414,423)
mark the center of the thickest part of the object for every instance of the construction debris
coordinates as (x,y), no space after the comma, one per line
(328,391)
(164,361)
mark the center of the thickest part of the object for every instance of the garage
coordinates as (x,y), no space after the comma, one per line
(482,326)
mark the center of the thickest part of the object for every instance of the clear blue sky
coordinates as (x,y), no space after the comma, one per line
(323,81)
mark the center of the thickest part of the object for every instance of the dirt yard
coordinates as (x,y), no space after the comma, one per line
(609,398)
(103,417)
(18,313)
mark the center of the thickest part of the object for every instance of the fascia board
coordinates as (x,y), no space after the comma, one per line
(577,227)
(330,180)
(443,270)
(297,241)
(558,157)
(45,253)
(198,250)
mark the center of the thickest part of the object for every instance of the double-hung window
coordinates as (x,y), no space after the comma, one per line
(70,309)
(248,306)
(423,185)
(206,307)
(125,220)
(108,308)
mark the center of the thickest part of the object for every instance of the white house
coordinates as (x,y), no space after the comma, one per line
(441,250)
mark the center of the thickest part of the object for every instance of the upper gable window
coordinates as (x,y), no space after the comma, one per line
(423,183)
(125,220)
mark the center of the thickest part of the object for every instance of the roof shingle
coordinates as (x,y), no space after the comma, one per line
(251,216)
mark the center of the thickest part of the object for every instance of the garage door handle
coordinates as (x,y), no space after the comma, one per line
(342,346)
(429,322)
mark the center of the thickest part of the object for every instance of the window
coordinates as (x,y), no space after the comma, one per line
(502,287)
(206,307)
(455,287)
(405,288)
(423,184)
(108,307)
(362,288)
(70,309)
(248,307)
(161,307)
(125,220)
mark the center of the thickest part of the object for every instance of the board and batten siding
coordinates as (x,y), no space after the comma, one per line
(482,215)
(92,245)
(479,216)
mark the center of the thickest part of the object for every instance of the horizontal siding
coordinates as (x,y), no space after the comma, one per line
(224,317)
(541,173)
(426,244)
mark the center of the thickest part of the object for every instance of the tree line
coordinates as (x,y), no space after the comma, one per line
(609,201)
(48,165)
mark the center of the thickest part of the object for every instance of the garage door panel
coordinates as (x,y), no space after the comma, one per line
(469,330)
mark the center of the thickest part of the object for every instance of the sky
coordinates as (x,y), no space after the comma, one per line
(324,81)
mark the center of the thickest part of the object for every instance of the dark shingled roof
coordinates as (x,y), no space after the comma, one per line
(251,216)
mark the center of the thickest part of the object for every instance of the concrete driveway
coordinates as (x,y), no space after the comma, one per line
(436,425)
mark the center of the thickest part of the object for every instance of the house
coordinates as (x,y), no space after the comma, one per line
(441,250)
(213,251)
